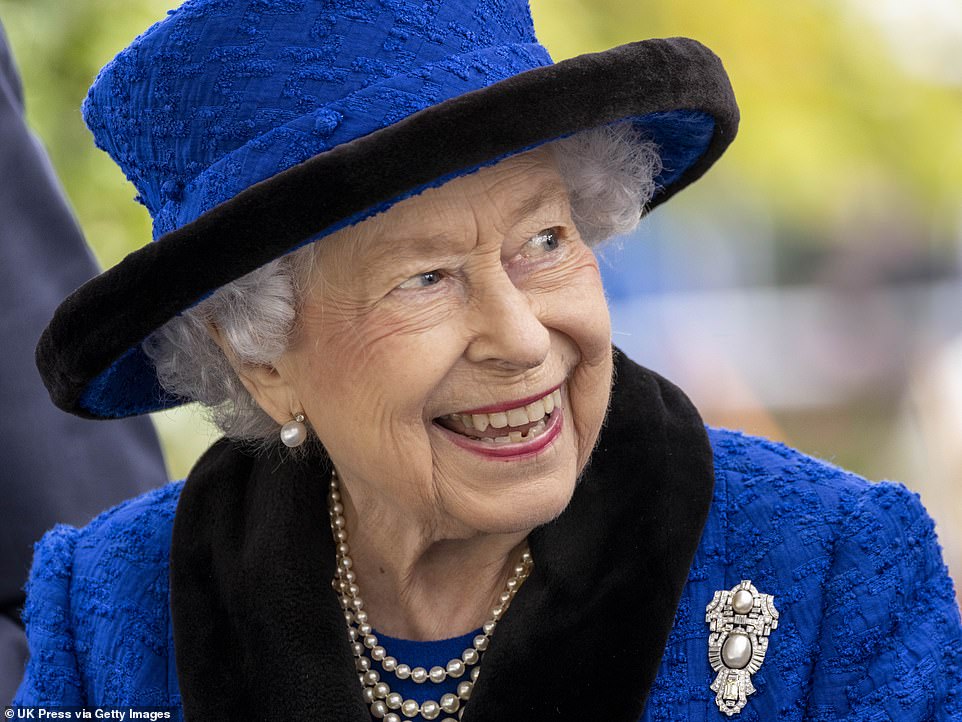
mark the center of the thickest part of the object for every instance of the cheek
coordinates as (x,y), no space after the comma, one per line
(580,313)
(576,307)
(381,370)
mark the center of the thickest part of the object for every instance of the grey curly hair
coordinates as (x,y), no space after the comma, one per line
(610,175)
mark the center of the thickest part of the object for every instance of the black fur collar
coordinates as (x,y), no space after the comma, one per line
(259,633)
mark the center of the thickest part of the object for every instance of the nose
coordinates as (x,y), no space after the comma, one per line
(508,331)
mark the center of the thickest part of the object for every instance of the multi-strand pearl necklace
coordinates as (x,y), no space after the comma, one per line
(384,703)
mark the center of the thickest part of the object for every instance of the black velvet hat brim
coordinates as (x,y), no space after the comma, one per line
(89,356)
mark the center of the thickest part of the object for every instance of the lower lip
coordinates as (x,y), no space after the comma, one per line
(510,451)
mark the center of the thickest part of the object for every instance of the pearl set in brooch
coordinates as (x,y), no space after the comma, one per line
(384,703)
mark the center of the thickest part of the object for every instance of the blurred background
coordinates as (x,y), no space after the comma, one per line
(809,289)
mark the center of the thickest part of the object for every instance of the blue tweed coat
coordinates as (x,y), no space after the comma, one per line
(869,628)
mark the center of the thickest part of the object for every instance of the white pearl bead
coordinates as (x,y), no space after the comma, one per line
(430,709)
(743,601)
(371,677)
(736,653)
(368,695)
(378,653)
(379,709)
(403,671)
(450,703)
(455,668)
(394,700)
(474,674)
(381,690)
(410,708)
(294,433)
(363,664)
(437,674)
(419,675)
(480,643)
(464,690)
(488,627)
(391,717)
(389,664)
(470,656)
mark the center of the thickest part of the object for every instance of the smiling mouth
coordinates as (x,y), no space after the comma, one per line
(522,423)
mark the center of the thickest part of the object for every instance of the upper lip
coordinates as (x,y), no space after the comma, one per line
(505,405)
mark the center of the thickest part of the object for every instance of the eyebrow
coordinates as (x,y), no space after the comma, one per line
(408,248)
(545,194)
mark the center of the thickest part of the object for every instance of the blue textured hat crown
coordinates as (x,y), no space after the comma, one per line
(222,94)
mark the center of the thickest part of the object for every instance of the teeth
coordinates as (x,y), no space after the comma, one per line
(517,417)
(533,412)
(548,402)
(514,437)
(498,420)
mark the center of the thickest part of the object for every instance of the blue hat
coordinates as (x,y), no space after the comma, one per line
(253,127)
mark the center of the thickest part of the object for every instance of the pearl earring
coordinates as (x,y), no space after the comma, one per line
(294,433)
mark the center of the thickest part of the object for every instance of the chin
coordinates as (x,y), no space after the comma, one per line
(522,510)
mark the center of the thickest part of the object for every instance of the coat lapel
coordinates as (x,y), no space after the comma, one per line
(259,633)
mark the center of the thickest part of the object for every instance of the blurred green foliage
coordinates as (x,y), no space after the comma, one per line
(828,113)
(830,120)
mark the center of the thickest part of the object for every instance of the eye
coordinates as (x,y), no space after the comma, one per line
(423,280)
(545,241)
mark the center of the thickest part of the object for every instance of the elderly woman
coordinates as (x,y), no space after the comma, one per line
(441,493)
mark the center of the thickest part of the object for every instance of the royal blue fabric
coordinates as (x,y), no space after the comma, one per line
(869,628)
(224,93)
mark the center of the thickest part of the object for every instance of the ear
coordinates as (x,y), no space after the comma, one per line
(264,383)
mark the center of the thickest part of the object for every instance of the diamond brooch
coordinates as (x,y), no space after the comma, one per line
(740,620)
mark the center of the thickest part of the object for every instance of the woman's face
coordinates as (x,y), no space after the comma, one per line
(458,316)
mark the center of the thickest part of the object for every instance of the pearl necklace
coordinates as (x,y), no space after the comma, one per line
(377,693)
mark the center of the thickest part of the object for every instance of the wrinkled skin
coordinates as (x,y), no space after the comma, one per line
(451,300)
